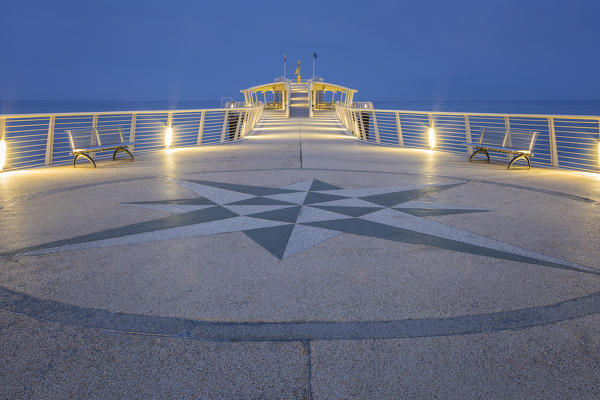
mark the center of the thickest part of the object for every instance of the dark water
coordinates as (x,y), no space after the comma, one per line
(59,106)
(554,107)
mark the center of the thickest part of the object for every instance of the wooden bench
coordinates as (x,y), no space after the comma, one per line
(518,142)
(88,141)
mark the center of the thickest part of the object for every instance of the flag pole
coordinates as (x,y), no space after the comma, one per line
(284,65)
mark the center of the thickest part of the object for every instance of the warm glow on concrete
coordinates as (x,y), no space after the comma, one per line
(431,138)
(2,154)
(168,137)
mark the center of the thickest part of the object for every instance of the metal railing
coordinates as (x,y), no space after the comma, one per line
(565,141)
(32,140)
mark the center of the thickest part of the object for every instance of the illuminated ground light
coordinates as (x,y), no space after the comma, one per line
(431,138)
(2,154)
(168,137)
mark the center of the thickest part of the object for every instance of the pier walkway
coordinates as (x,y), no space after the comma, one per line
(299,262)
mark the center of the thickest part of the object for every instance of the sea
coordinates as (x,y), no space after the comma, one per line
(65,106)
(553,107)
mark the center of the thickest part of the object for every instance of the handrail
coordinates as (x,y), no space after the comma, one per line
(83,113)
(566,116)
(564,141)
(29,140)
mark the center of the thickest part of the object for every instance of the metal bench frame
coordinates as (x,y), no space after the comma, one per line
(96,136)
(482,147)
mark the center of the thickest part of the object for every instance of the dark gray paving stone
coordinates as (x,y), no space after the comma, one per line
(254,190)
(315,197)
(382,231)
(318,185)
(273,239)
(196,201)
(289,214)
(260,201)
(432,212)
(351,211)
(172,221)
(395,198)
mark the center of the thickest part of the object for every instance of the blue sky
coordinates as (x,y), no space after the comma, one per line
(201,50)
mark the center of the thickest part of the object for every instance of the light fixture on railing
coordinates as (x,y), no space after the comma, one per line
(168,137)
(431,138)
(2,154)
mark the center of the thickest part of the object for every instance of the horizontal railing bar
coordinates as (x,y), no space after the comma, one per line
(100,113)
(586,117)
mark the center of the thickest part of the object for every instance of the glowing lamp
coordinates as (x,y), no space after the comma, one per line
(168,137)
(431,138)
(2,154)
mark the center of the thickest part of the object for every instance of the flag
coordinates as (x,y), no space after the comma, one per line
(284,58)
(315,54)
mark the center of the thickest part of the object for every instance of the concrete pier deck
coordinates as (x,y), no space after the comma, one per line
(299,263)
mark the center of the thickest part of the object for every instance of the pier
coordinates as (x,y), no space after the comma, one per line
(299,246)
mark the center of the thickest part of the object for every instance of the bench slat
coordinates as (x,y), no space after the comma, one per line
(86,141)
(519,142)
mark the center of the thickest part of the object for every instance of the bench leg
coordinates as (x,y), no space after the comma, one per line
(83,155)
(122,149)
(516,158)
(480,151)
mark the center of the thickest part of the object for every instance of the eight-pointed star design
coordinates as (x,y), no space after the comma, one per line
(290,219)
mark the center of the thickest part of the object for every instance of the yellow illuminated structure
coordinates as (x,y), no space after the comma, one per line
(168,137)
(316,92)
(2,154)
(298,71)
(431,138)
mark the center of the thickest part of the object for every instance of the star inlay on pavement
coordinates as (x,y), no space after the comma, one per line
(288,220)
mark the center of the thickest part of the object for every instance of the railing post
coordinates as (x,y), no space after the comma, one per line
(357,131)
(170,125)
(468,134)
(245,123)
(552,139)
(399,130)
(50,141)
(431,125)
(225,115)
(132,131)
(94,135)
(362,126)
(2,128)
(201,128)
(507,137)
(238,127)
(3,162)
(377,139)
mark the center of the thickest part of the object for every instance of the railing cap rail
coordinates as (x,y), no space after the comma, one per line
(82,114)
(591,117)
